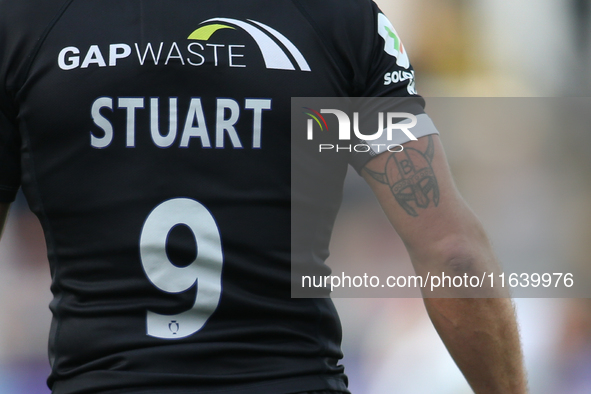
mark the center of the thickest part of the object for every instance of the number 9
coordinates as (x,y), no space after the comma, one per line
(205,271)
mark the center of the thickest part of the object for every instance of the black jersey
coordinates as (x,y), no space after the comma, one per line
(151,138)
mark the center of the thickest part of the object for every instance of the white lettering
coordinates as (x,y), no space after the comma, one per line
(223,124)
(130,104)
(71,62)
(258,105)
(174,48)
(398,148)
(361,148)
(344,123)
(378,146)
(395,77)
(102,122)
(93,56)
(371,137)
(215,52)
(398,76)
(401,126)
(115,54)
(190,49)
(195,113)
(160,140)
(231,55)
(387,79)
(228,113)
(155,58)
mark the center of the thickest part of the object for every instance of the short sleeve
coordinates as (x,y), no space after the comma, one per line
(389,74)
(389,70)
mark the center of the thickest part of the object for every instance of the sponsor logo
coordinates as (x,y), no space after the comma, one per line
(275,57)
(397,76)
(392,43)
(277,51)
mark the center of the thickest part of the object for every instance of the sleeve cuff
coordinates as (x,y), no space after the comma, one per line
(423,128)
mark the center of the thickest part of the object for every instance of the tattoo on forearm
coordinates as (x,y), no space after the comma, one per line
(411,178)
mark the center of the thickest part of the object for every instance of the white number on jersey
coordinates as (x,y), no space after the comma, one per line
(205,271)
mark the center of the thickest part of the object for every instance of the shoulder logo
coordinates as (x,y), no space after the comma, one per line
(274,56)
(392,45)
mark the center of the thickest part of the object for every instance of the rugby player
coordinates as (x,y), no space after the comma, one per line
(151,139)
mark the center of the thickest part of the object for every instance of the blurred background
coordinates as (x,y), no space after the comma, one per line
(532,191)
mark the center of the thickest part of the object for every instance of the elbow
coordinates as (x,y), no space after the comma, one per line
(460,262)
(459,265)
(456,256)
(467,255)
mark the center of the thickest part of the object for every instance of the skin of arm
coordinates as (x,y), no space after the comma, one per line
(442,234)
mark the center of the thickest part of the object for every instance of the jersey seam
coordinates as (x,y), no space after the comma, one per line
(52,256)
(319,37)
(376,48)
(33,55)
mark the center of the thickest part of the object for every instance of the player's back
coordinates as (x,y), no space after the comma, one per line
(154,145)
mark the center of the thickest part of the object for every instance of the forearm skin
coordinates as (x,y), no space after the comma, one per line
(481,335)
